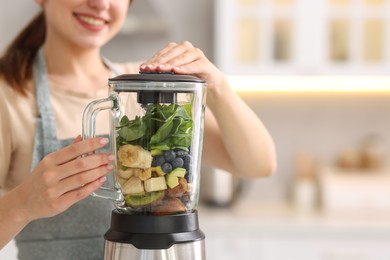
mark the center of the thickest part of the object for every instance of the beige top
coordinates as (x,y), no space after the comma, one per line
(18,115)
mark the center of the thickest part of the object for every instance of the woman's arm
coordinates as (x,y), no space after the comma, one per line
(235,138)
(59,180)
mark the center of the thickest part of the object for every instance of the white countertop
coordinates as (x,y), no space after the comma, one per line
(284,232)
(281,232)
(252,217)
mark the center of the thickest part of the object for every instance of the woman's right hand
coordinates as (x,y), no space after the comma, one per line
(63,178)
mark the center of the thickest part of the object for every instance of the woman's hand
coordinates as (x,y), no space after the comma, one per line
(234,137)
(184,58)
(64,178)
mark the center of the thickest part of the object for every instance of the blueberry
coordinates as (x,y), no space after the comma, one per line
(189,177)
(177,163)
(187,160)
(166,167)
(187,167)
(181,153)
(169,156)
(158,160)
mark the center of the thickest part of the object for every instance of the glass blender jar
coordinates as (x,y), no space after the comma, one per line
(156,137)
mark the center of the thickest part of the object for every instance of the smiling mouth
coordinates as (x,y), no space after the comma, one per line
(90,20)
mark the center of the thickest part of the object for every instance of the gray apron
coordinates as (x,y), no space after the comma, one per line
(78,232)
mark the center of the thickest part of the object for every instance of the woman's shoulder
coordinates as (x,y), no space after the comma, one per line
(7,91)
(6,96)
(14,102)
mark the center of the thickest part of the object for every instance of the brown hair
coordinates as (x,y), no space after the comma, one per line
(16,63)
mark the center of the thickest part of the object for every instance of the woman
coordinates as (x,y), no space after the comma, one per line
(51,71)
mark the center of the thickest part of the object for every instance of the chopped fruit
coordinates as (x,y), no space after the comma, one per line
(169,206)
(133,186)
(172,181)
(156,152)
(120,180)
(158,170)
(178,172)
(134,156)
(144,174)
(180,189)
(126,174)
(144,199)
(155,184)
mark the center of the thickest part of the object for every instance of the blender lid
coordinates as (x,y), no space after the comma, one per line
(157,77)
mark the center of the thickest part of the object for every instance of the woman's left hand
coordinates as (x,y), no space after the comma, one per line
(184,58)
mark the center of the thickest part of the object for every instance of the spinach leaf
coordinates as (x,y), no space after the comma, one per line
(163,127)
(132,130)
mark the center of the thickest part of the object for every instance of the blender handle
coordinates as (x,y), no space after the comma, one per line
(88,131)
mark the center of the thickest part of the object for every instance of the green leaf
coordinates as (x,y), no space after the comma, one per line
(163,127)
(163,132)
(134,129)
(124,121)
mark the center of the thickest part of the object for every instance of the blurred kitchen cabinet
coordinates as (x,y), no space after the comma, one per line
(303,36)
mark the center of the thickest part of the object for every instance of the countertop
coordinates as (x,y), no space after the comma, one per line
(280,231)
(252,216)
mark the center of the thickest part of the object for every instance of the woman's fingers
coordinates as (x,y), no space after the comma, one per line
(71,197)
(75,150)
(81,179)
(161,53)
(64,177)
(82,164)
(56,181)
(77,139)
(174,56)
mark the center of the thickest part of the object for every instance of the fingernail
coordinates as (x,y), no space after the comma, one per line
(111,157)
(104,140)
(143,66)
(161,66)
(176,68)
(110,167)
(103,179)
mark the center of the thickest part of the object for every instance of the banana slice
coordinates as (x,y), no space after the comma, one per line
(134,156)
(133,186)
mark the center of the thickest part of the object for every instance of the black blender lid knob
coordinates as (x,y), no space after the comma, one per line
(150,96)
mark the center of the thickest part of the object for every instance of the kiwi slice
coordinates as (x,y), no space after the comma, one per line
(145,199)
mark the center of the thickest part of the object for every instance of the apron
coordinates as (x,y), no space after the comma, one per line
(78,232)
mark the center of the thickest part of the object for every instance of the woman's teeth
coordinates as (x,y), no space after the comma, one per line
(91,21)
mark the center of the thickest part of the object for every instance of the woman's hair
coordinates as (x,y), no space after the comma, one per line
(16,65)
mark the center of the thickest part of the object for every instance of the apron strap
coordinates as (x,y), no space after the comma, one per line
(46,135)
(43,97)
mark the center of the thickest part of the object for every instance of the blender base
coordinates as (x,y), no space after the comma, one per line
(121,251)
(146,237)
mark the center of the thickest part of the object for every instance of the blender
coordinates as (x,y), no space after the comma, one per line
(156,135)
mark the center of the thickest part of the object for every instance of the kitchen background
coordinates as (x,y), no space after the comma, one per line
(315,72)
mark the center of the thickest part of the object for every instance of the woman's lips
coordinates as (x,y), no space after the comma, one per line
(91,23)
